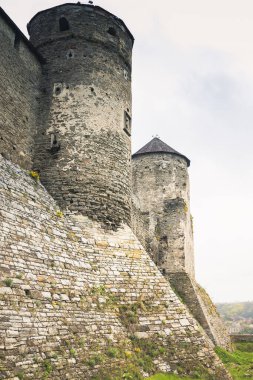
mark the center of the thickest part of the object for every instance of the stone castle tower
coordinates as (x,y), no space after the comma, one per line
(163,223)
(165,206)
(83,144)
(94,257)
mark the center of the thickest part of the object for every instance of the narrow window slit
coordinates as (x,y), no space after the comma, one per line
(70,54)
(112,31)
(55,144)
(63,24)
(127,123)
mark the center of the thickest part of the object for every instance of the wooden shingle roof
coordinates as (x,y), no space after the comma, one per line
(158,146)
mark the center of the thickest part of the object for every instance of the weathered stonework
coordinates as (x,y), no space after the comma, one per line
(163,223)
(201,307)
(165,207)
(20,73)
(70,291)
(79,295)
(83,150)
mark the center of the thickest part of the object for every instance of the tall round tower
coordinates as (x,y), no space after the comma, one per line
(161,190)
(83,146)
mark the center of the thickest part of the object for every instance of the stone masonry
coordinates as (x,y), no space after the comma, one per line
(87,265)
(70,291)
(163,223)
(20,73)
(83,145)
(166,207)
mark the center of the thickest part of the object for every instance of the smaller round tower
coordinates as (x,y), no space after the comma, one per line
(161,191)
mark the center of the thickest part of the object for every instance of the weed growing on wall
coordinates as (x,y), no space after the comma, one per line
(34,174)
(59,214)
(8,282)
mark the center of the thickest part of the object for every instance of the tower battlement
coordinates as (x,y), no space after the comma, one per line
(88,22)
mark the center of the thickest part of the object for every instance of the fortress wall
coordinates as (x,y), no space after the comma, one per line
(20,74)
(139,221)
(238,338)
(201,307)
(71,293)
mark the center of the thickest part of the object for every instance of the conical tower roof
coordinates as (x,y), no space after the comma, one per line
(158,146)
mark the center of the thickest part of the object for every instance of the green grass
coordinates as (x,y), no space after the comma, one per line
(244,346)
(240,362)
(168,377)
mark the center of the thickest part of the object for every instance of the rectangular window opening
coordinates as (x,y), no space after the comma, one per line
(127,123)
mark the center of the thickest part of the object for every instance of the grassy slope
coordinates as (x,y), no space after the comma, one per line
(167,377)
(239,363)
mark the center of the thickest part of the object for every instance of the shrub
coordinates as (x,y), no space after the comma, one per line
(113,352)
(8,282)
(72,352)
(94,360)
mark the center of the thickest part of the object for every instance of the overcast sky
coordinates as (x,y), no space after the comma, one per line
(193,87)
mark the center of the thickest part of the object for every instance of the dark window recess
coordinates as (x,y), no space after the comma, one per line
(57,90)
(17,41)
(112,32)
(164,239)
(127,123)
(55,144)
(70,54)
(63,24)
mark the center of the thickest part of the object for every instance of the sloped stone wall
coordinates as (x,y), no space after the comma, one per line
(201,307)
(75,298)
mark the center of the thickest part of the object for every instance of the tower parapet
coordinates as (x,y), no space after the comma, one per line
(83,146)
